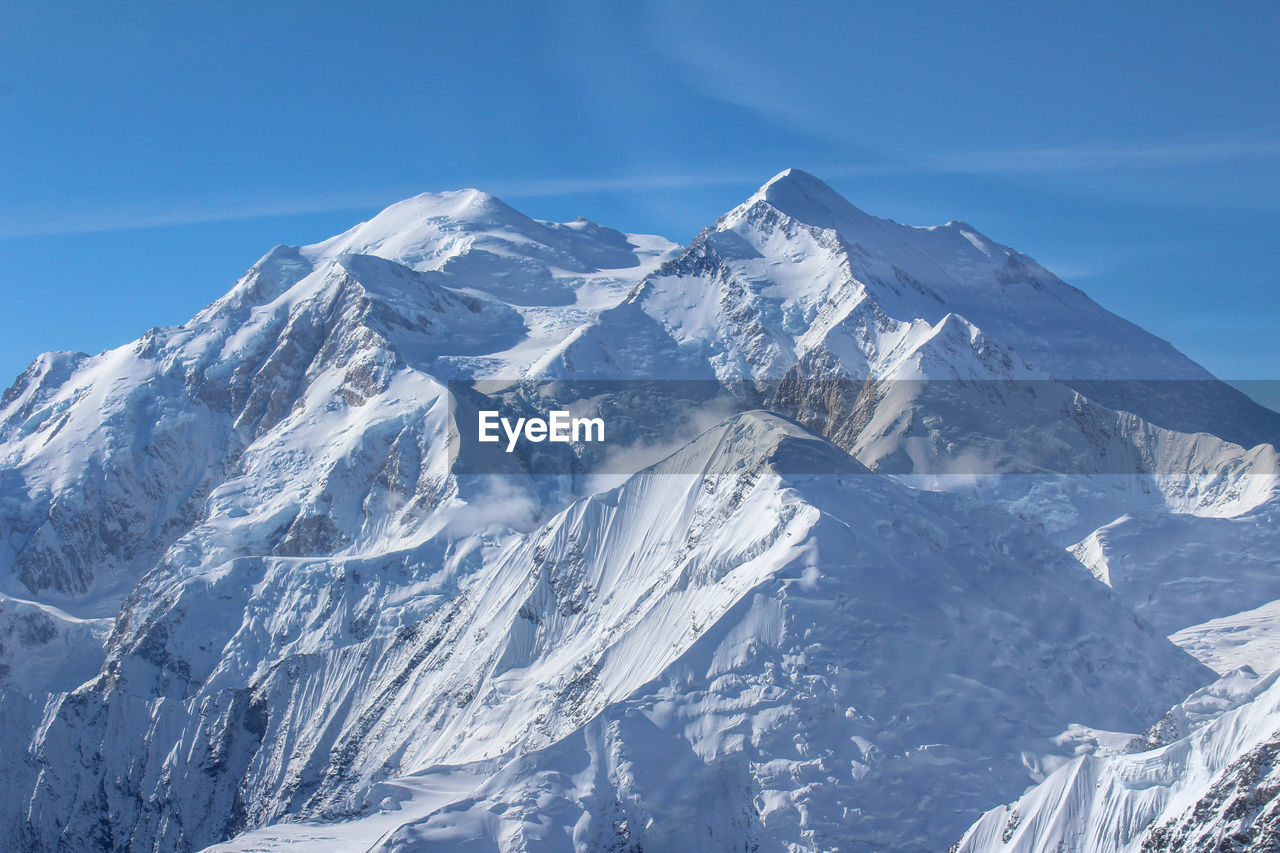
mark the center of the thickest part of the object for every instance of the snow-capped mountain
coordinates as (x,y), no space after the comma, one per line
(797,273)
(248,592)
(936,351)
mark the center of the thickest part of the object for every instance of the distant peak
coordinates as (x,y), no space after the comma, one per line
(802,196)
(799,181)
(797,178)
(464,204)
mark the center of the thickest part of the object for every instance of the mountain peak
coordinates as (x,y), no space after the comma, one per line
(419,229)
(465,208)
(795,190)
(803,197)
(797,178)
(464,204)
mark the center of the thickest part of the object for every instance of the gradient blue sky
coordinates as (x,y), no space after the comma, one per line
(150,152)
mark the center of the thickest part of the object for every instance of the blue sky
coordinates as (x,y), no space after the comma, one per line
(150,152)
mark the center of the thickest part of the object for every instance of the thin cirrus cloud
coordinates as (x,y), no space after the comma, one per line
(1050,160)
(1106,157)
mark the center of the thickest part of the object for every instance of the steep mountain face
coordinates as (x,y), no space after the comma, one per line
(109,460)
(812,652)
(1211,783)
(246,587)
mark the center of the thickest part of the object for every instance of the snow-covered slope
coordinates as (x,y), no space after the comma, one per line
(1210,784)
(802,656)
(245,581)
(1179,570)
(1247,638)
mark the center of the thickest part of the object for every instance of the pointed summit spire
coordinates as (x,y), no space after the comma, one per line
(802,196)
(798,180)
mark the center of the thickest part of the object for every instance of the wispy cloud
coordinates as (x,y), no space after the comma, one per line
(1098,157)
(45,221)
(1070,159)
(624,184)
(140,215)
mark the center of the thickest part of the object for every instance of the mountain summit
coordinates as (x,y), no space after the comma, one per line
(801,195)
